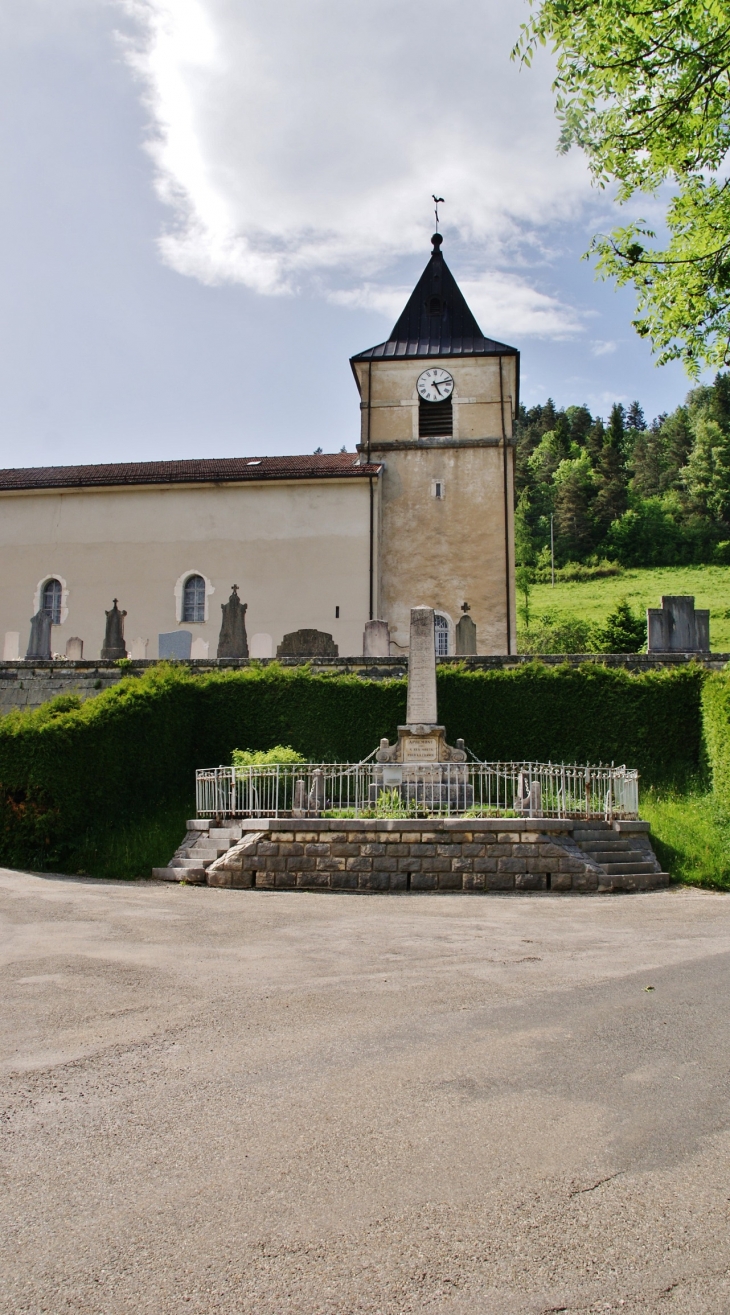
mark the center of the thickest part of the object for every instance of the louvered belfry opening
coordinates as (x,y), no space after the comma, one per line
(435,419)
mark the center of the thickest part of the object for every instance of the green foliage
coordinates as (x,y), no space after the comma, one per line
(642,88)
(256,757)
(589,713)
(637,496)
(622,633)
(568,634)
(101,786)
(716,718)
(690,833)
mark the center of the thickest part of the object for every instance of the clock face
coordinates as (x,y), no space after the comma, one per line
(435,385)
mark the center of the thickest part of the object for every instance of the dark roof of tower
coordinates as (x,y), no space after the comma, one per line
(436,320)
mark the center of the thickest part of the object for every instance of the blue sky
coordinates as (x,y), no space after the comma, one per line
(208,205)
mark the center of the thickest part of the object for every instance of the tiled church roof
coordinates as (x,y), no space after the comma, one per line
(223,470)
(436,321)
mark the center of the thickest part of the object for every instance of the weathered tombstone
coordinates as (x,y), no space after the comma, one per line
(75,649)
(175,645)
(11,646)
(138,648)
(677,627)
(114,645)
(39,644)
(199,649)
(307,643)
(466,637)
(376,640)
(232,641)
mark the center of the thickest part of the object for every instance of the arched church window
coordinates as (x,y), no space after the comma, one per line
(441,635)
(51,603)
(194,599)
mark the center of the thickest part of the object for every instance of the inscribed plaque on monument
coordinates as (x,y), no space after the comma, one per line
(420,750)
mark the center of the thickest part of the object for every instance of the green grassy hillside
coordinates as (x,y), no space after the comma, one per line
(592,600)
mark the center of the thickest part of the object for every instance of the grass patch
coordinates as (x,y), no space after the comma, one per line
(592,600)
(133,850)
(691,836)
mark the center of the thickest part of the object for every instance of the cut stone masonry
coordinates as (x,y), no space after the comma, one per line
(468,855)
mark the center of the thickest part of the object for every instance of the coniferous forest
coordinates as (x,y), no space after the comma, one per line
(622,490)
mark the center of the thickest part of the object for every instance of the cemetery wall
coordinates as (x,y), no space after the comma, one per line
(31,684)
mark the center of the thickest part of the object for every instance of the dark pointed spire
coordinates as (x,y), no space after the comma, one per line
(436,320)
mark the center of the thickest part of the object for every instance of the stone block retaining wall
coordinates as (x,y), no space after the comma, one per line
(467,855)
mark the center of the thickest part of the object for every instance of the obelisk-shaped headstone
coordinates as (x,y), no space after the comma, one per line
(421,705)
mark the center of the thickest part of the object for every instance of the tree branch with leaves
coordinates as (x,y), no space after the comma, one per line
(643,87)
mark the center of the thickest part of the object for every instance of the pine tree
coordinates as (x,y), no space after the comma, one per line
(611,497)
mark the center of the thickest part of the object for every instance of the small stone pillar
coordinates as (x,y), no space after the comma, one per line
(466,637)
(422,706)
(75,649)
(376,639)
(39,644)
(232,641)
(677,627)
(114,645)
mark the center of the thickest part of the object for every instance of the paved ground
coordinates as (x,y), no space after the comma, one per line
(276,1103)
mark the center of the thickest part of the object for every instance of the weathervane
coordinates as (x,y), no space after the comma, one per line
(439,201)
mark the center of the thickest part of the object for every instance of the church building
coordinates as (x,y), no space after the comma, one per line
(319,547)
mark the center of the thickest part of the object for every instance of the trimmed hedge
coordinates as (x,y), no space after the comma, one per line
(716,718)
(71,769)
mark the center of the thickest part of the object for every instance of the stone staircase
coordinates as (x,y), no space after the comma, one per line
(202,845)
(623,850)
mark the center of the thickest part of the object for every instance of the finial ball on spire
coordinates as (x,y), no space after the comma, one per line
(436,240)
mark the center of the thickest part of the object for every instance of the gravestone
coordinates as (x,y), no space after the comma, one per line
(199,649)
(232,641)
(114,645)
(75,649)
(677,626)
(466,637)
(307,643)
(175,645)
(39,644)
(376,640)
(138,648)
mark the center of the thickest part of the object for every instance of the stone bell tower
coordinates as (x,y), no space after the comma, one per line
(438,401)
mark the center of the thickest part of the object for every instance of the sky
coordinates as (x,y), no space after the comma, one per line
(207,206)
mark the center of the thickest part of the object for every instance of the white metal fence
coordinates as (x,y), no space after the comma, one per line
(371,789)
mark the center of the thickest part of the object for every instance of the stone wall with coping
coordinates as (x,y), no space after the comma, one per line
(471,855)
(30,684)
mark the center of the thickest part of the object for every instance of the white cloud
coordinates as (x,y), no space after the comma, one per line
(603,348)
(298,146)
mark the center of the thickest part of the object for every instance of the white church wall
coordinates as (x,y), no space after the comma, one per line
(297,550)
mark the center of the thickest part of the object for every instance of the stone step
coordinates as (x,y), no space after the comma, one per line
(191,862)
(605,843)
(621,856)
(205,852)
(627,869)
(194,876)
(225,833)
